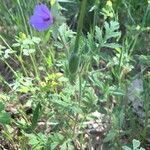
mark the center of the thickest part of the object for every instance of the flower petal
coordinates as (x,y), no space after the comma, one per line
(42,10)
(38,23)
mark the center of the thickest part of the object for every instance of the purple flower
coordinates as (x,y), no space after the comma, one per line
(42,17)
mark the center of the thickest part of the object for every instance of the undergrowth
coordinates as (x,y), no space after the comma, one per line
(89,68)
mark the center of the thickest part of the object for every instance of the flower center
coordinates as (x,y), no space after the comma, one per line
(46,19)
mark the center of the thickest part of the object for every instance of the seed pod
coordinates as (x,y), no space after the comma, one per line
(74,63)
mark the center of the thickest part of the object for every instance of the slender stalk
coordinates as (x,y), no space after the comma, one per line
(79,30)
(8,135)
(80,88)
(75,132)
(42,53)
(7,84)
(64,43)
(95,16)
(23,16)
(23,67)
(14,72)
(34,66)
(80,24)
(133,43)
(5,42)
(145,15)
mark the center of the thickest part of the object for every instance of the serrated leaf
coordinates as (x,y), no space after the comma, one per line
(36,114)
(111,30)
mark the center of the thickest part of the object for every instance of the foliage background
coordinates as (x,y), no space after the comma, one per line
(45,106)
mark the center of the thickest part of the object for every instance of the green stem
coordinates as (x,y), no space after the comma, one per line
(79,101)
(34,66)
(45,58)
(95,15)
(14,72)
(6,43)
(80,25)
(80,88)
(64,43)
(23,16)
(133,43)
(7,84)
(19,58)
(9,136)
(23,67)
(145,15)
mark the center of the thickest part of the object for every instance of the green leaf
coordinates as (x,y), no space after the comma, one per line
(110,136)
(70,146)
(49,60)
(1,106)
(28,42)
(112,45)
(63,104)
(64,146)
(65,1)
(55,140)
(33,140)
(54,145)
(36,40)
(111,30)
(142,148)
(36,114)
(98,34)
(126,148)
(31,50)
(74,61)
(4,118)
(26,52)
(37,140)
(67,145)
(136,144)
(47,36)
(16,45)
